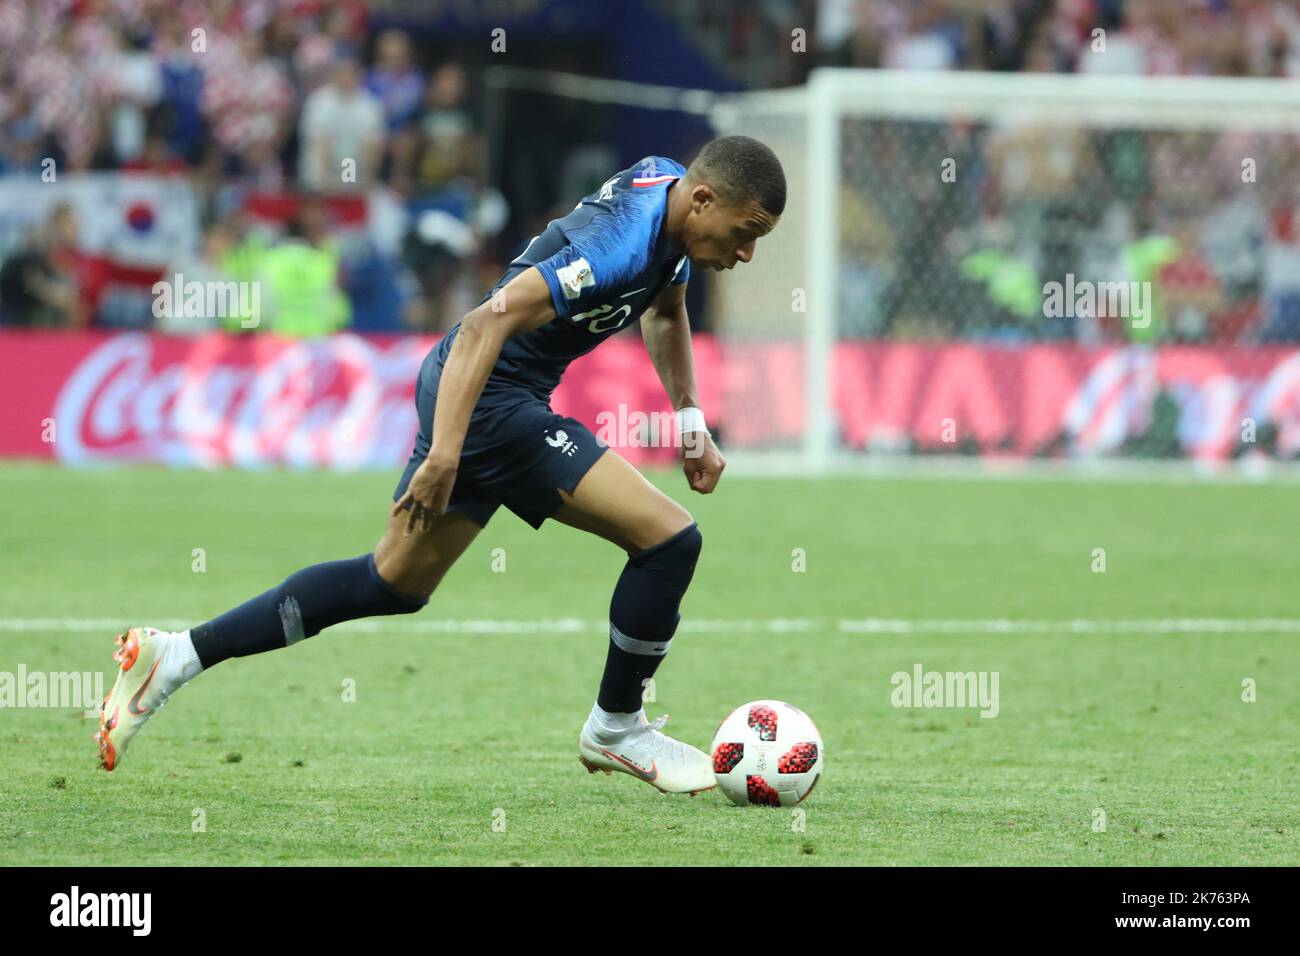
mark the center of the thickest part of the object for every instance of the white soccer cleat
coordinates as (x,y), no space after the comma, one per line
(144,683)
(650,755)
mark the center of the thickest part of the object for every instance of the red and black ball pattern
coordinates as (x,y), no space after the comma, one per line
(763,719)
(798,759)
(762,793)
(726,756)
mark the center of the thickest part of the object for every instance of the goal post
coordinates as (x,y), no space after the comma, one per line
(929,211)
(900,312)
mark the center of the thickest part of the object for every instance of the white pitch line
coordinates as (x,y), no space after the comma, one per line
(1262,625)
(1081,626)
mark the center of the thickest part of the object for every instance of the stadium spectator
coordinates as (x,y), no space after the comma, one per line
(926,35)
(1281,271)
(181,89)
(1040,177)
(339,37)
(436,249)
(400,88)
(207,267)
(242,258)
(300,281)
(129,84)
(395,80)
(449,147)
(1190,291)
(39,284)
(341,133)
(247,99)
(63,96)
(21,137)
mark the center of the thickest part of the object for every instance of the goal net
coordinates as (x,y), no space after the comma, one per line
(998,268)
(1018,266)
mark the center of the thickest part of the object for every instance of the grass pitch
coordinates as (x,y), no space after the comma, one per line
(460,747)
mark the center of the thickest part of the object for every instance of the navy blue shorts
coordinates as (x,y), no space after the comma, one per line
(517,452)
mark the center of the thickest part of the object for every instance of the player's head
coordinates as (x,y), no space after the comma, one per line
(736,190)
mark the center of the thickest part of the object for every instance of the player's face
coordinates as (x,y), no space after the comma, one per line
(720,234)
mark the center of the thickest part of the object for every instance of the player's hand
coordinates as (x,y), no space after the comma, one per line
(701,461)
(429,491)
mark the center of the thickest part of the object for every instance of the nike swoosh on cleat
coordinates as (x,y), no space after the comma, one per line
(646,775)
(133,704)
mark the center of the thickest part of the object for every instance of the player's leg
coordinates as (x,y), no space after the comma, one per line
(616,502)
(396,579)
(414,564)
(613,500)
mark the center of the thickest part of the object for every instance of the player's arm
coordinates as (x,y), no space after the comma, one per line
(523,304)
(667,334)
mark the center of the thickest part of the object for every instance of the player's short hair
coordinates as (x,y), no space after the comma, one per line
(739,168)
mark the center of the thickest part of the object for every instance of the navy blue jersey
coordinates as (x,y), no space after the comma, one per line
(604,262)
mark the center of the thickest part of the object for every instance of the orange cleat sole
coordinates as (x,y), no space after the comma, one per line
(107,755)
(126,654)
(128,649)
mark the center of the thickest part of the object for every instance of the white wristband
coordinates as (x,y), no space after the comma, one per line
(690,419)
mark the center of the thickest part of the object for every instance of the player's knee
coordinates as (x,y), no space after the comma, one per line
(409,577)
(320,596)
(693,542)
(674,558)
(669,520)
(397,592)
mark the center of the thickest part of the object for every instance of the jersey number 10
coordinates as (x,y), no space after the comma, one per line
(601,319)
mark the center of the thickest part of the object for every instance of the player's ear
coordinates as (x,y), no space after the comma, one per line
(701,197)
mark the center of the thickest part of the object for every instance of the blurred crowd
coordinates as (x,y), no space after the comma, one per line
(308,105)
(242,97)
(1155,37)
(1206,220)
(1212,242)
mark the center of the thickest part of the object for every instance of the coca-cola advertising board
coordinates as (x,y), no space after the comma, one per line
(347,402)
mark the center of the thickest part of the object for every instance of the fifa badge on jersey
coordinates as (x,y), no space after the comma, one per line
(575,277)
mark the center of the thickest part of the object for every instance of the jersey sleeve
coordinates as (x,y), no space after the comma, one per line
(683,273)
(599,259)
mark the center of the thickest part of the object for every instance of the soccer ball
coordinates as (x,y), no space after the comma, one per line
(769,753)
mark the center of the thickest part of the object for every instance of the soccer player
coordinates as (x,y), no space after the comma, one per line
(488,437)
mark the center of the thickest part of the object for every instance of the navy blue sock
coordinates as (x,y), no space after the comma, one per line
(643,617)
(307,602)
